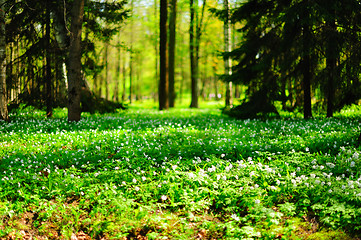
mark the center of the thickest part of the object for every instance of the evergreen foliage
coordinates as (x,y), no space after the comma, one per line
(26,34)
(288,42)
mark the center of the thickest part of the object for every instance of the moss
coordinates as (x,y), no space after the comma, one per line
(329,234)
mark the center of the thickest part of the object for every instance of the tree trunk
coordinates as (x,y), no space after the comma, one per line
(131,75)
(307,68)
(227,49)
(163,83)
(156,48)
(74,72)
(331,64)
(183,77)
(124,78)
(48,74)
(172,42)
(192,47)
(117,72)
(131,56)
(106,76)
(62,40)
(3,96)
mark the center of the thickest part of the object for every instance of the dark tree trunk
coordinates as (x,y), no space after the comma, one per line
(192,52)
(48,75)
(163,83)
(74,69)
(331,64)
(3,96)
(307,68)
(172,42)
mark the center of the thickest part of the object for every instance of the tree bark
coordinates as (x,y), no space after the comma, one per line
(192,49)
(172,42)
(156,48)
(227,49)
(106,75)
(48,73)
(307,68)
(331,64)
(124,78)
(117,72)
(74,69)
(163,83)
(3,96)
(131,57)
(131,74)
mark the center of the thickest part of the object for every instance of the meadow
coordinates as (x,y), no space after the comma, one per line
(179,174)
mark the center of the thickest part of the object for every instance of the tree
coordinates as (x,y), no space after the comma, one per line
(3,96)
(48,72)
(195,33)
(227,49)
(307,70)
(163,83)
(332,54)
(172,42)
(74,68)
(194,69)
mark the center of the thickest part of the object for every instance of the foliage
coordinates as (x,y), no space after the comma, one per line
(331,31)
(32,47)
(257,107)
(178,174)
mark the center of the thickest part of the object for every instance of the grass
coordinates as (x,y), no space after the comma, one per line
(179,174)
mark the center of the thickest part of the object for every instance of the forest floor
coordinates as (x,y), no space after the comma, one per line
(179,174)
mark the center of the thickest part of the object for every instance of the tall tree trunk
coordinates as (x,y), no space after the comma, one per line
(183,77)
(227,49)
(106,76)
(131,56)
(195,34)
(124,78)
(163,83)
(131,75)
(3,96)
(48,76)
(74,72)
(117,72)
(156,48)
(62,39)
(139,78)
(172,42)
(331,64)
(192,49)
(307,68)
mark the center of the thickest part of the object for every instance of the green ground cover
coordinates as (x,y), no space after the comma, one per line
(180,174)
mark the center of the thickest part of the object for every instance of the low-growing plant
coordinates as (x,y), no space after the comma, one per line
(182,173)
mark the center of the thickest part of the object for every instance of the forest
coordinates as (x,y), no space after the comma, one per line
(192,119)
(253,56)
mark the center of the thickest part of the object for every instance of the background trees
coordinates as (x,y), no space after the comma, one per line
(296,52)
(299,55)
